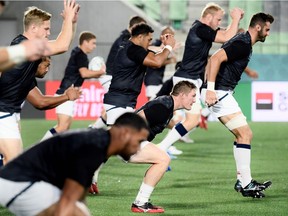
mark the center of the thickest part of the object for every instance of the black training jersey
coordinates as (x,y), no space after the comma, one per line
(75,154)
(158,113)
(154,76)
(238,51)
(128,75)
(16,83)
(77,60)
(166,87)
(124,36)
(198,43)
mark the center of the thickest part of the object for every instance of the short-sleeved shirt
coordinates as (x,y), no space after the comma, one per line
(197,45)
(128,76)
(154,76)
(158,113)
(238,50)
(16,83)
(75,154)
(78,59)
(124,36)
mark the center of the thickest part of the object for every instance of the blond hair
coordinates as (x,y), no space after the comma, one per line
(211,8)
(167,30)
(34,15)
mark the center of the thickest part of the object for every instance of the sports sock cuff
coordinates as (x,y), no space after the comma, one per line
(53,131)
(243,146)
(181,129)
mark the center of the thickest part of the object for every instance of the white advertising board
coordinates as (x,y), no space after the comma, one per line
(270,101)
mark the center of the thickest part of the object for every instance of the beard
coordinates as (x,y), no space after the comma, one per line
(261,37)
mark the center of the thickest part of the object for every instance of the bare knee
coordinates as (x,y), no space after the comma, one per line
(240,128)
(164,159)
(245,135)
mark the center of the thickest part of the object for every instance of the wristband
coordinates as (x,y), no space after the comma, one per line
(168,47)
(210,86)
(16,53)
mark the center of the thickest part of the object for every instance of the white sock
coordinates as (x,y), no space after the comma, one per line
(144,194)
(99,123)
(238,175)
(49,134)
(243,162)
(174,135)
(96,174)
(205,112)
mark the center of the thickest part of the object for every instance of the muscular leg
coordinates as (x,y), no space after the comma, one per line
(64,122)
(160,160)
(190,122)
(243,135)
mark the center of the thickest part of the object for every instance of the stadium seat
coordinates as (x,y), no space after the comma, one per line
(178,13)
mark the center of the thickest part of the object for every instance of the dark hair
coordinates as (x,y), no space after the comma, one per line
(261,19)
(136,20)
(85,35)
(45,58)
(133,120)
(141,28)
(183,87)
(2,3)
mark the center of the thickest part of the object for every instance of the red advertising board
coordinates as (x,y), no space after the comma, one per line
(90,105)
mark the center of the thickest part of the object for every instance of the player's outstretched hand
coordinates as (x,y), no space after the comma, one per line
(211,98)
(73,93)
(237,13)
(168,39)
(70,11)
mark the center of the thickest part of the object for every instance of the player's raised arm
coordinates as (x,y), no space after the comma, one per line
(236,15)
(159,59)
(64,39)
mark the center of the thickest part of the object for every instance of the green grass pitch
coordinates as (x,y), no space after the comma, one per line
(202,178)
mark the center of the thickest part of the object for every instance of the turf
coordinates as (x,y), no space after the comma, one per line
(202,178)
